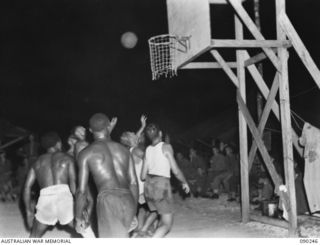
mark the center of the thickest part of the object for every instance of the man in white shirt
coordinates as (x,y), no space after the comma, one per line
(159,161)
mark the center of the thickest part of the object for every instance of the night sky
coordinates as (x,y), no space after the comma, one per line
(62,61)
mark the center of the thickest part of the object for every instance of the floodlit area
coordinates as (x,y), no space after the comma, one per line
(194,218)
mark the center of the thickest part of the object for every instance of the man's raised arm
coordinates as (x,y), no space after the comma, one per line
(81,195)
(31,178)
(133,179)
(72,176)
(143,121)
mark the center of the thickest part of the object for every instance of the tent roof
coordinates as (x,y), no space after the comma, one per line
(8,130)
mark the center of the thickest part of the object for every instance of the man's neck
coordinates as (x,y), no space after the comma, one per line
(52,150)
(102,137)
(156,141)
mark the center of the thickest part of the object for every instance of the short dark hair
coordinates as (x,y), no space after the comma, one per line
(49,140)
(98,122)
(152,131)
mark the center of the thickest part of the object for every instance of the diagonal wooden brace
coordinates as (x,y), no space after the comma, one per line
(264,117)
(236,4)
(253,70)
(264,153)
(300,48)
(225,67)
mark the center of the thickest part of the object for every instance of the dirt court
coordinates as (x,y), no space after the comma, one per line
(193,218)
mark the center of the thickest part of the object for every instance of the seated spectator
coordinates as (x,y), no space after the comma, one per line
(201,169)
(219,144)
(302,203)
(6,178)
(188,170)
(218,172)
(30,150)
(265,187)
(234,167)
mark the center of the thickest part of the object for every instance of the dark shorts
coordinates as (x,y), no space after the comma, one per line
(158,194)
(115,211)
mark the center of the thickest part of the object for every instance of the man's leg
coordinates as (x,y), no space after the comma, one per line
(226,182)
(142,214)
(38,229)
(166,221)
(149,221)
(216,185)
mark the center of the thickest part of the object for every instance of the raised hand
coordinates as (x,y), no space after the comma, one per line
(113,123)
(80,225)
(143,120)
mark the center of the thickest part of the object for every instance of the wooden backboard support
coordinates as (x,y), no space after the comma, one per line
(191,19)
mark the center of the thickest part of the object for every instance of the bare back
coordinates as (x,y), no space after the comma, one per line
(52,169)
(108,162)
(79,146)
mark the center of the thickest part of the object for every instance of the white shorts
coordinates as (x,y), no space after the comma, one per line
(55,204)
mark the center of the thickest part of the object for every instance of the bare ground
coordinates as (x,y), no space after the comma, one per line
(193,218)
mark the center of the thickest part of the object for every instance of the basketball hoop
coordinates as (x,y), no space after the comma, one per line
(163,53)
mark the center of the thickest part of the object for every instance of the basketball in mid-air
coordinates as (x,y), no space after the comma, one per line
(129,40)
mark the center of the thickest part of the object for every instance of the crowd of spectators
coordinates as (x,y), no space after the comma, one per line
(210,176)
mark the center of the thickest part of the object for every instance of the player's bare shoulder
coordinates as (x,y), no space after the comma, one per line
(42,160)
(81,145)
(61,159)
(117,147)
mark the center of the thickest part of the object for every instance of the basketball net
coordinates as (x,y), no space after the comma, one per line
(163,52)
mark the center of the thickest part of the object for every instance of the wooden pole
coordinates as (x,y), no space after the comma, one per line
(254,31)
(243,134)
(286,124)
(256,8)
(300,48)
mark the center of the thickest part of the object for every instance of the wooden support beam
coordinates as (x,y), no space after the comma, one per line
(221,1)
(275,107)
(254,30)
(300,48)
(286,123)
(263,150)
(11,142)
(225,67)
(208,65)
(269,221)
(255,59)
(261,56)
(243,134)
(231,43)
(264,117)
(277,180)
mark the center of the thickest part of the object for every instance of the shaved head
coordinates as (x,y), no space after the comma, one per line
(50,140)
(98,122)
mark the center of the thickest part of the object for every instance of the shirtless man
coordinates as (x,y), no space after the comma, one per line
(80,136)
(135,144)
(159,162)
(111,166)
(77,142)
(55,174)
(71,142)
